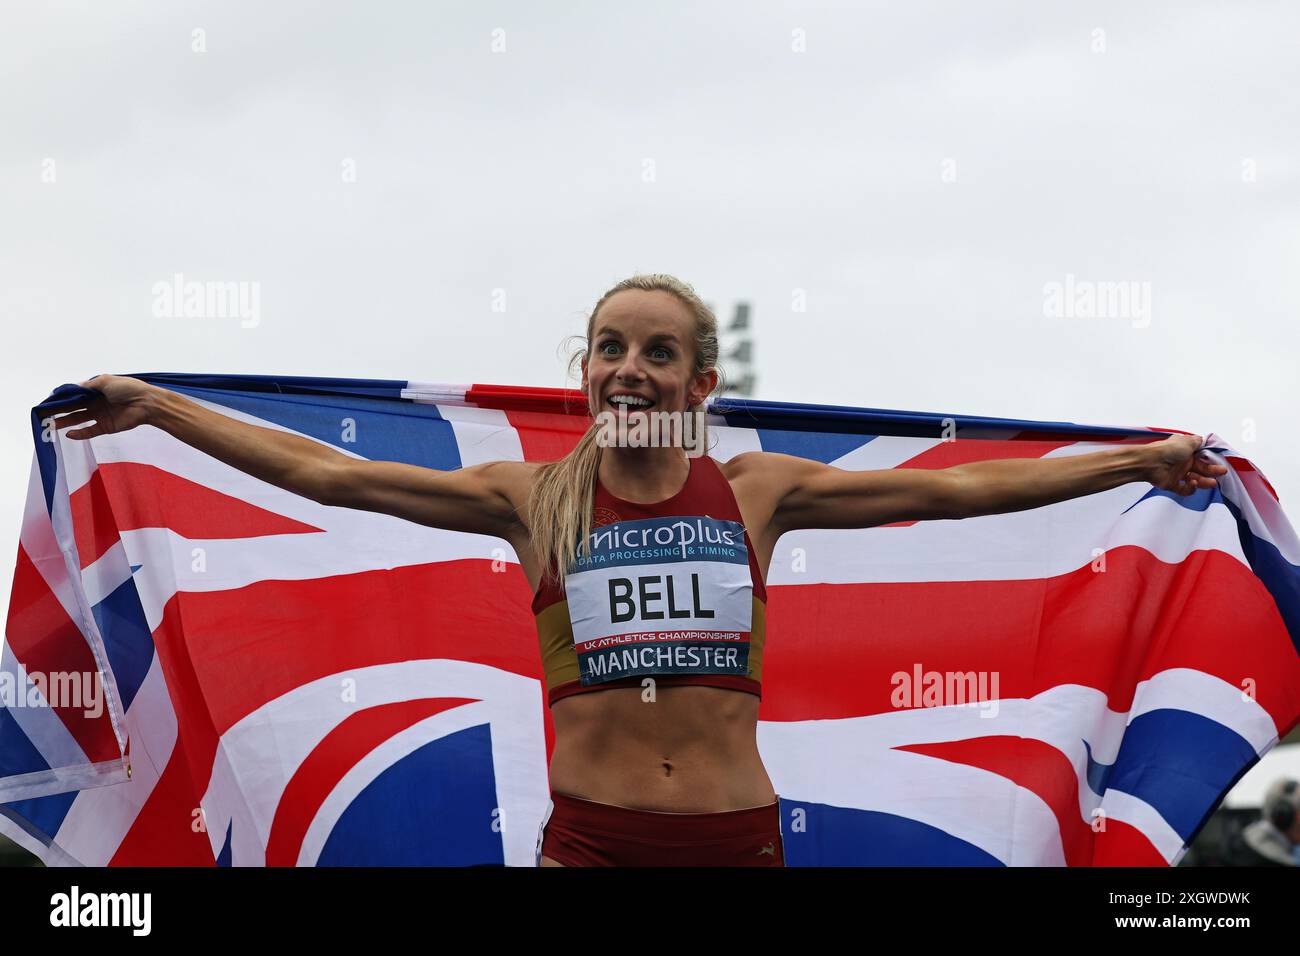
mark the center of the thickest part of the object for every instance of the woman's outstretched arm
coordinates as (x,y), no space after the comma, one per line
(480,499)
(809,494)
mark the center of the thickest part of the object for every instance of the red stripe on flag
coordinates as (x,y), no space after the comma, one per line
(169,829)
(53,651)
(1242,465)
(125,496)
(164,830)
(834,649)
(962,451)
(244,647)
(548,437)
(1122,844)
(555,401)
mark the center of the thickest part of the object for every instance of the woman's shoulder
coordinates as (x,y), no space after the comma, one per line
(767,466)
(762,479)
(512,480)
(517,475)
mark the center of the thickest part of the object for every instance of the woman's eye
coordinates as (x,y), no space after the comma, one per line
(610,348)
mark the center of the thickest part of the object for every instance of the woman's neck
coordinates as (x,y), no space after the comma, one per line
(643,475)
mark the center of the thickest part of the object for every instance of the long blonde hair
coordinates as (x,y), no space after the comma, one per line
(563,492)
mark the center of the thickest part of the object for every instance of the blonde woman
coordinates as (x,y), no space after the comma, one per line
(647,563)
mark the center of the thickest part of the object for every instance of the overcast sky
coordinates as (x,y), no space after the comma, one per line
(893,187)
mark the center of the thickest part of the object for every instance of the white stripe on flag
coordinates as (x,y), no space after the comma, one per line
(1215,699)
(1023,545)
(482,434)
(427,393)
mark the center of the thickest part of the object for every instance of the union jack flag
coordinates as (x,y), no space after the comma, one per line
(284,683)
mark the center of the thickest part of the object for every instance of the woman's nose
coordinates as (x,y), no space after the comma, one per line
(630,369)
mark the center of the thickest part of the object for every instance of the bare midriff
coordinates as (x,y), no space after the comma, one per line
(689,749)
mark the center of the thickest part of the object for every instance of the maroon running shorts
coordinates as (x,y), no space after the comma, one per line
(577,832)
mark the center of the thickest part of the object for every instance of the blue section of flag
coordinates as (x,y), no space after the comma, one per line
(40,817)
(814,834)
(844,419)
(223,858)
(127,639)
(814,445)
(1098,773)
(434,807)
(315,385)
(1198,500)
(46,461)
(372,428)
(17,755)
(1180,763)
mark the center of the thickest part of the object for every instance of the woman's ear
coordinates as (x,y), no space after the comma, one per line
(701,388)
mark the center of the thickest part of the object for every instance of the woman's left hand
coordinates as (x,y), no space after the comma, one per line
(1177,467)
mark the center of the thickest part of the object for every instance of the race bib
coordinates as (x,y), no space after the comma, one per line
(670,595)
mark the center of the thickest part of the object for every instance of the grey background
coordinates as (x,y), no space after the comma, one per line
(778,173)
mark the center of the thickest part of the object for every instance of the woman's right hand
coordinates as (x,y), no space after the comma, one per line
(124,403)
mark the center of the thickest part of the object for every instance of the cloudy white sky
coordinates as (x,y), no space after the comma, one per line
(916,174)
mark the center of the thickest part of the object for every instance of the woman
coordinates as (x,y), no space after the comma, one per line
(661,609)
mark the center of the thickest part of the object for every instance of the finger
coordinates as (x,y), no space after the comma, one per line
(90,431)
(64,409)
(76,418)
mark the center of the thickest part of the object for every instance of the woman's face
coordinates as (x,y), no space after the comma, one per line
(643,345)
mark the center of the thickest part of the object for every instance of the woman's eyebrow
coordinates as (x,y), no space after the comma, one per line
(657,337)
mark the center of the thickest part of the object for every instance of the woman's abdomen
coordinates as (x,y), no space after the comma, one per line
(684,749)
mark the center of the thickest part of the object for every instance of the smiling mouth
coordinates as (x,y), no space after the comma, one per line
(630,406)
